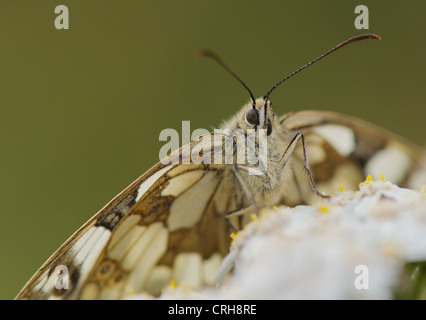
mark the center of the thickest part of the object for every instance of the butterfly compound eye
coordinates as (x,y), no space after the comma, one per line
(269,128)
(252,117)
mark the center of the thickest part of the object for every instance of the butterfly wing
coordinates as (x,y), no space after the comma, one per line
(167,225)
(343,150)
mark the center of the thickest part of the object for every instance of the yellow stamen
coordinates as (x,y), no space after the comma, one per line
(253,217)
(323,208)
(341,187)
(369,178)
(232,236)
(382,177)
(173,284)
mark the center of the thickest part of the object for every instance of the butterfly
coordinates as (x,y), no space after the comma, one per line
(173,223)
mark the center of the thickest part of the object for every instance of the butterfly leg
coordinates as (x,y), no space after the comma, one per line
(240,212)
(298,187)
(289,152)
(238,224)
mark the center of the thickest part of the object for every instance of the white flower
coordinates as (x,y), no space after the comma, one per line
(354,245)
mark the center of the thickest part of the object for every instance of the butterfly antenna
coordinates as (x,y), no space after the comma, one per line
(344,43)
(210,54)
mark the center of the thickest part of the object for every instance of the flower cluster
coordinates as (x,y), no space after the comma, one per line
(368,244)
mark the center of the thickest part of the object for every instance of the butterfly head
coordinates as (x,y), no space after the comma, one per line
(258,115)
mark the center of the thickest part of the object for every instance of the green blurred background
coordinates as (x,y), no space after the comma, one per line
(82,109)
